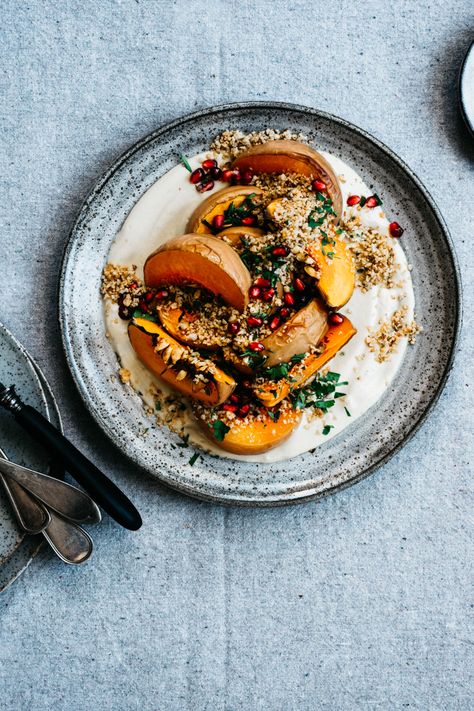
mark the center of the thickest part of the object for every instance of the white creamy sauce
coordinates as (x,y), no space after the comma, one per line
(163,212)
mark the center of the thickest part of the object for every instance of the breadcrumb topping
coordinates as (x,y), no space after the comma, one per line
(230,144)
(383,342)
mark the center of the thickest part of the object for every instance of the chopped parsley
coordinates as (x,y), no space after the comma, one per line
(140,314)
(327,429)
(347,412)
(185,162)
(320,393)
(325,242)
(220,430)
(194,458)
(184,443)
(298,357)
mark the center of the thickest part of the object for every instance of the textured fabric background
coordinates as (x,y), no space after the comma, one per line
(362,601)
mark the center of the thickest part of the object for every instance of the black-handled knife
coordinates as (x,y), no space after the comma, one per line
(101,488)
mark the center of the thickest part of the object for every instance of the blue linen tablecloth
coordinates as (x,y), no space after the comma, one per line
(361,601)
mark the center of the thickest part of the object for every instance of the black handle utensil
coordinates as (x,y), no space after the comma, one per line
(101,488)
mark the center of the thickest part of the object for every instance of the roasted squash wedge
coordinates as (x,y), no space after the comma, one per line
(172,320)
(166,358)
(271,393)
(336,272)
(217,204)
(292,157)
(303,330)
(204,260)
(254,435)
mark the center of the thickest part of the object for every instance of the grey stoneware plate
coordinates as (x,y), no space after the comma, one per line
(17,549)
(360,448)
(466,88)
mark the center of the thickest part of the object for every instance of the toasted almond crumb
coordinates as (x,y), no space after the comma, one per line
(383,342)
(124,375)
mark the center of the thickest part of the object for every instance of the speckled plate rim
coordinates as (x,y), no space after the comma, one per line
(295,495)
(30,546)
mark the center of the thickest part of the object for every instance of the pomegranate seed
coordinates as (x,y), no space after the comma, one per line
(161,294)
(234,398)
(133,285)
(247,176)
(215,173)
(299,285)
(209,163)
(233,328)
(268,294)
(244,410)
(124,312)
(205,186)
(274,323)
(254,321)
(395,229)
(256,346)
(230,408)
(353,200)
(142,306)
(254,292)
(279,251)
(289,299)
(148,296)
(196,176)
(260,281)
(235,177)
(371,201)
(249,220)
(336,319)
(319,186)
(227,175)
(284,312)
(218,221)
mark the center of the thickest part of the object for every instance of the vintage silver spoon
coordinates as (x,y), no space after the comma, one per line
(67,500)
(69,541)
(32,516)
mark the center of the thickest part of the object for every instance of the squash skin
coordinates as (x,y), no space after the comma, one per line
(292,157)
(143,335)
(216,204)
(250,436)
(336,276)
(204,260)
(336,338)
(303,330)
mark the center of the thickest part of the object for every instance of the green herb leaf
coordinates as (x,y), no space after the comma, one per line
(327,429)
(220,430)
(277,372)
(363,200)
(194,458)
(347,412)
(157,405)
(298,357)
(139,314)
(332,377)
(275,416)
(185,162)
(184,443)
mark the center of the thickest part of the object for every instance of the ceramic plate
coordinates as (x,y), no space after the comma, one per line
(358,449)
(16,366)
(466,88)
